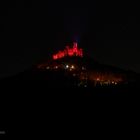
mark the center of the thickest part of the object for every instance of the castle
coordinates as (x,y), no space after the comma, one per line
(74,51)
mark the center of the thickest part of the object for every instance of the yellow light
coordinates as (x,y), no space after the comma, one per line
(72,67)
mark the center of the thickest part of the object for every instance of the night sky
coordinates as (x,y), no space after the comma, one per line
(32,30)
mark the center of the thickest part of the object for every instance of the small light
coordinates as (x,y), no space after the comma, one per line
(67,66)
(98,79)
(83,68)
(72,67)
(74,74)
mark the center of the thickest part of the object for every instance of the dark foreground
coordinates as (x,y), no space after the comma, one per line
(29,105)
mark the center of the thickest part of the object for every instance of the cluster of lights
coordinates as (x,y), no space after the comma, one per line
(69,52)
(70,67)
(106,82)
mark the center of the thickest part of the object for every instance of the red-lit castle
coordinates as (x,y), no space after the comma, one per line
(75,51)
(82,68)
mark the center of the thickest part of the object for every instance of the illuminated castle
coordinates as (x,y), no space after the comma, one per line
(74,51)
(85,70)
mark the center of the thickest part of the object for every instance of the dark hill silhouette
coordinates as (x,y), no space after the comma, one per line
(28,98)
(41,79)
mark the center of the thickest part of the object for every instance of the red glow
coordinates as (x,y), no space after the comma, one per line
(69,52)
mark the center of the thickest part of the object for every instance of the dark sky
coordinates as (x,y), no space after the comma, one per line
(33,30)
